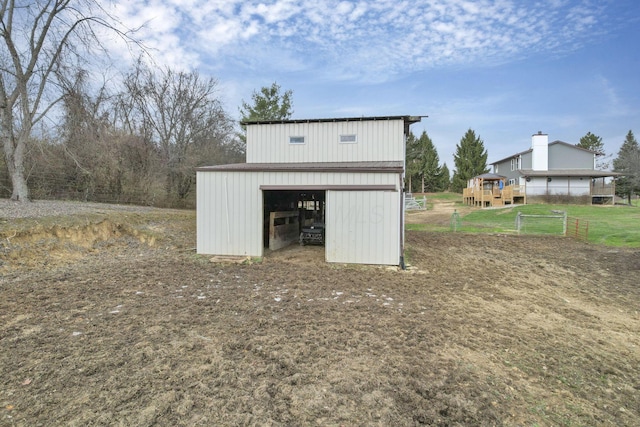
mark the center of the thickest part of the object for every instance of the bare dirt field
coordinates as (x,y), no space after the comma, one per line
(110,318)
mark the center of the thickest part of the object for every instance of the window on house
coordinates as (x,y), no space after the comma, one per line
(296,140)
(513,164)
(348,139)
(512,181)
(496,171)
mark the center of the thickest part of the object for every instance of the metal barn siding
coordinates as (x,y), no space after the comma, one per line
(363,227)
(230,213)
(379,140)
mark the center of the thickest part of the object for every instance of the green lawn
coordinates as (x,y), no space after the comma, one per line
(607,225)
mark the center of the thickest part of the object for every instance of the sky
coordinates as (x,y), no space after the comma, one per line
(504,68)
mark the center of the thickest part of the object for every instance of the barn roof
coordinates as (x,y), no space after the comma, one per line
(390,167)
(407,119)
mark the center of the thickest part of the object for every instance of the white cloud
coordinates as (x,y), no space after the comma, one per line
(373,40)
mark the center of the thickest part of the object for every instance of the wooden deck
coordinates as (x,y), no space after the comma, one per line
(483,197)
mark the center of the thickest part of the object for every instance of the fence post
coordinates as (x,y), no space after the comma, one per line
(586,232)
(518,222)
(454,222)
(564,224)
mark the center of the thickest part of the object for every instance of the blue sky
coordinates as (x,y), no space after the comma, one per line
(506,69)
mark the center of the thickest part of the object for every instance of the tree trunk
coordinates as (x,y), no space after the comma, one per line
(14,158)
(14,147)
(20,188)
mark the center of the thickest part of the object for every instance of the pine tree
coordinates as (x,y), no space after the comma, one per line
(445,178)
(423,169)
(412,161)
(628,163)
(470,160)
(268,104)
(594,143)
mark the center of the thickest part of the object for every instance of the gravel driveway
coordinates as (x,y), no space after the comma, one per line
(41,208)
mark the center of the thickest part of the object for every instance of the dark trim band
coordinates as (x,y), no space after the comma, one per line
(328,187)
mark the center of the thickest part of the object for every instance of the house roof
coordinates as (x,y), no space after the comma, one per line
(584,173)
(389,167)
(550,144)
(407,119)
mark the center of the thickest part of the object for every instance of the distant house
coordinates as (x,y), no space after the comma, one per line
(555,171)
(343,176)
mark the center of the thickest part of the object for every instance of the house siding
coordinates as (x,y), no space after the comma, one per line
(558,186)
(504,169)
(563,156)
(380,140)
(536,186)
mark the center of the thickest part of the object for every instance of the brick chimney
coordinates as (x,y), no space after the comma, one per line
(540,155)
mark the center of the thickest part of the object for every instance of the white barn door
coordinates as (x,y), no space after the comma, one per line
(363,227)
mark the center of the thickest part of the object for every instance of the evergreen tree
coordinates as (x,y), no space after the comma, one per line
(445,178)
(423,169)
(268,104)
(628,163)
(470,160)
(594,143)
(412,154)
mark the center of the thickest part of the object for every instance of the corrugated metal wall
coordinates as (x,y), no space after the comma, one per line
(381,140)
(363,227)
(230,216)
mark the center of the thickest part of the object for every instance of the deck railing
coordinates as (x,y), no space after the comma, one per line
(482,196)
(600,189)
(510,194)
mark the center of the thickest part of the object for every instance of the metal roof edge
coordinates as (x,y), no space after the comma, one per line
(407,119)
(388,167)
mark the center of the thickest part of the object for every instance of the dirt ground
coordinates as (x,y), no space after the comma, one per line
(116,321)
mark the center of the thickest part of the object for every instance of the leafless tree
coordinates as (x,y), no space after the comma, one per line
(41,40)
(102,161)
(181,113)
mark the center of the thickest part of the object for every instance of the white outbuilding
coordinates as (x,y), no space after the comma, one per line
(336,182)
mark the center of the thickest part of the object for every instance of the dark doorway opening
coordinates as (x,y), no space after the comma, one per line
(287,212)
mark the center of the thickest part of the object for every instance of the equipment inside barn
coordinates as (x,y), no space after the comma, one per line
(313,235)
(294,216)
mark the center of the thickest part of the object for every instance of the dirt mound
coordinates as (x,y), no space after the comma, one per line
(46,247)
(50,239)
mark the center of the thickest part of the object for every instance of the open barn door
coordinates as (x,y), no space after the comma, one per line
(287,213)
